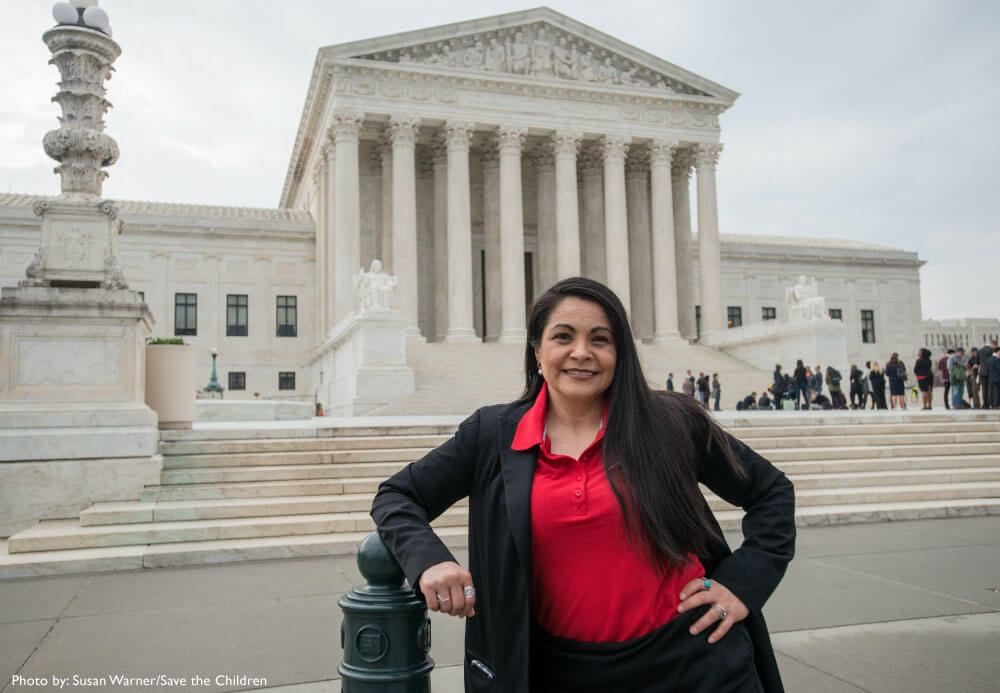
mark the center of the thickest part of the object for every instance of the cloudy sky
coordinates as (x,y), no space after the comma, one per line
(862,119)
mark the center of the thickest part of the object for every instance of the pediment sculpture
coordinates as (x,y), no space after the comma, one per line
(538,50)
(804,302)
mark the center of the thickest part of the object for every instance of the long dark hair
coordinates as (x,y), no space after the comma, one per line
(652,440)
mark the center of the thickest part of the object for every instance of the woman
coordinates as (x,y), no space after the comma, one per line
(876,383)
(778,386)
(833,378)
(800,378)
(896,373)
(857,387)
(716,390)
(594,561)
(924,372)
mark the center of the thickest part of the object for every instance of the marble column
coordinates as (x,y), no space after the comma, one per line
(319,214)
(329,297)
(713,318)
(680,178)
(510,140)
(615,147)
(592,250)
(640,250)
(383,249)
(404,217)
(665,326)
(565,145)
(490,158)
(426,280)
(347,229)
(439,152)
(545,215)
(460,321)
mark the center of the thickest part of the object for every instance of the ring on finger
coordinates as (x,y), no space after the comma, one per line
(721,611)
(442,600)
(469,592)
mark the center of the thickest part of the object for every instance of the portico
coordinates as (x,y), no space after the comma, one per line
(548,150)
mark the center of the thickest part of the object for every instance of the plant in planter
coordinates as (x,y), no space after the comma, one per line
(170,381)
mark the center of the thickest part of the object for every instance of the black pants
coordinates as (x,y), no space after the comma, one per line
(984,384)
(947,399)
(667,659)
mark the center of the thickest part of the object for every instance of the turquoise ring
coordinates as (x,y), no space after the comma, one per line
(707,583)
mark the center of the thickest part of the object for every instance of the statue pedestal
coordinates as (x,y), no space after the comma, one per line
(362,363)
(74,429)
(763,345)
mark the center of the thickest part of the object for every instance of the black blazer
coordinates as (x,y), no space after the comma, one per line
(478,462)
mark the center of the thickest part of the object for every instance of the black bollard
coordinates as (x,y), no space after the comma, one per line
(385,634)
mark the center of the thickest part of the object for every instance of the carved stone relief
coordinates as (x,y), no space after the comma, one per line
(538,50)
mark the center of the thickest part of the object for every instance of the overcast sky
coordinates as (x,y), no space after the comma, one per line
(868,120)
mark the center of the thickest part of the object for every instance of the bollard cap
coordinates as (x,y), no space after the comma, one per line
(377,565)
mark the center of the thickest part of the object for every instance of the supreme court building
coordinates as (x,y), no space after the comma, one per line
(481,162)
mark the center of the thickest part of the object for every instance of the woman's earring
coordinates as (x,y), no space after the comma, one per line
(539,367)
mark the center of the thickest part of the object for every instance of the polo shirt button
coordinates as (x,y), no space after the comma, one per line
(577,493)
(579,478)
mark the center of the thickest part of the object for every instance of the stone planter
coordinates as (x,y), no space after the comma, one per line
(170,384)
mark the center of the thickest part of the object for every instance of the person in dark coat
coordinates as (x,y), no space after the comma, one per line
(876,381)
(992,368)
(800,381)
(895,371)
(670,382)
(984,378)
(857,387)
(628,599)
(942,366)
(778,387)
(924,372)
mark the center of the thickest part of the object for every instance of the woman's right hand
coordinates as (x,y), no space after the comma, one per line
(443,586)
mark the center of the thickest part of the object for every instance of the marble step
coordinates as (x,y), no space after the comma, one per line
(811,429)
(57,535)
(186,554)
(885,464)
(873,440)
(897,493)
(285,472)
(262,489)
(801,454)
(894,478)
(251,459)
(183,554)
(205,447)
(175,511)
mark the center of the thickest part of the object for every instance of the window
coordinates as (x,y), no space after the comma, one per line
(237,380)
(836,314)
(768,313)
(868,326)
(185,314)
(286,380)
(142,296)
(288,319)
(697,322)
(734,316)
(236,315)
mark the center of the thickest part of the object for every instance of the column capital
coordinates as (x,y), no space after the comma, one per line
(707,156)
(615,147)
(661,151)
(425,161)
(542,155)
(346,125)
(637,164)
(457,134)
(510,138)
(566,142)
(683,160)
(489,152)
(403,129)
(591,160)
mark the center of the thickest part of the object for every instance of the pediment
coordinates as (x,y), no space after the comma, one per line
(543,45)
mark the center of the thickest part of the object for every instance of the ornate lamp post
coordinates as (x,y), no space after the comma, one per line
(213,382)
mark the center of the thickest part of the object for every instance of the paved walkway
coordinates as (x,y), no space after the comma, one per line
(909,607)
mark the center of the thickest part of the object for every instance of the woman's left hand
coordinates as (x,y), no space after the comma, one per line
(695,594)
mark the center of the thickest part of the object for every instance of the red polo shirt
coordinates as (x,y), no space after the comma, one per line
(588,583)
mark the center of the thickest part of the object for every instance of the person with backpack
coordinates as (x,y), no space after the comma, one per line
(957,375)
(895,371)
(833,379)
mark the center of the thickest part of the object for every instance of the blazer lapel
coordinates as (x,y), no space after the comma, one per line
(518,468)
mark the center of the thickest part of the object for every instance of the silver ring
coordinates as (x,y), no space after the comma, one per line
(721,610)
(442,600)
(469,592)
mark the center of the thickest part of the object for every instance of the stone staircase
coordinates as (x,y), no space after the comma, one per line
(236,494)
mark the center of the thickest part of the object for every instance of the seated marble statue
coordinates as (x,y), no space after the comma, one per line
(376,289)
(804,302)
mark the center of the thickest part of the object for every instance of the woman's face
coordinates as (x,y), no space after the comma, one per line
(577,352)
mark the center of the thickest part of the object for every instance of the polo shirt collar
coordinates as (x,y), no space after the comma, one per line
(531,429)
